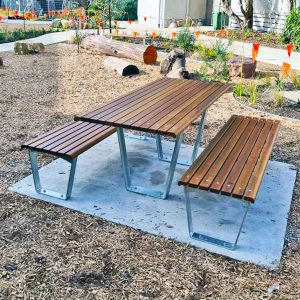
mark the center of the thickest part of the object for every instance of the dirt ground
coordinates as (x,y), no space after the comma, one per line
(13,27)
(49,252)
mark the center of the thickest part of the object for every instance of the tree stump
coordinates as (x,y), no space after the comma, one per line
(101,45)
(123,67)
(241,67)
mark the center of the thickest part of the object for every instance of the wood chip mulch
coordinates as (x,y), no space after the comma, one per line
(49,252)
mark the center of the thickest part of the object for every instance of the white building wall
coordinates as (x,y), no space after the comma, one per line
(268,15)
(160,12)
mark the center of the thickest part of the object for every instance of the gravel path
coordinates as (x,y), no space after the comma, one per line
(47,252)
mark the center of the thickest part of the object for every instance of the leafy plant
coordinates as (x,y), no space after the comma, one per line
(296,80)
(291,31)
(278,97)
(279,84)
(185,40)
(268,80)
(241,90)
(253,90)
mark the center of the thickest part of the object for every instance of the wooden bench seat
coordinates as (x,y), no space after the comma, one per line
(66,142)
(234,162)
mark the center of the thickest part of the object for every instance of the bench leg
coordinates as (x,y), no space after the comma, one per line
(209,239)
(198,140)
(142,190)
(37,182)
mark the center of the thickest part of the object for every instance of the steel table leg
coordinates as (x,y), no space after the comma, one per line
(126,170)
(198,140)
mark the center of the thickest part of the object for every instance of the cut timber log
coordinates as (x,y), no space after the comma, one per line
(101,45)
(123,67)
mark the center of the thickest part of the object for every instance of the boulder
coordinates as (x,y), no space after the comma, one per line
(56,23)
(174,60)
(65,24)
(244,66)
(180,73)
(23,48)
(1,62)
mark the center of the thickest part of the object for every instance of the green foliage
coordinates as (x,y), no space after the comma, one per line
(268,80)
(19,34)
(167,46)
(296,80)
(279,84)
(216,66)
(186,40)
(241,90)
(278,97)
(253,90)
(291,32)
(218,51)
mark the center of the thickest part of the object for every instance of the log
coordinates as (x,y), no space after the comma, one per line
(101,45)
(123,67)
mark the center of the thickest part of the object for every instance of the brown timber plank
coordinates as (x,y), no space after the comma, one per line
(195,113)
(162,106)
(233,121)
(235,144)
(163,123)
(91,140)
(146,90)
(74,139)
(55,136)
(52,133)
(258,173)
(232,135)
(226,168)
(241,171)
(124,113)
(77,134)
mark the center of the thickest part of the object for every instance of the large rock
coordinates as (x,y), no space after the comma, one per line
(174,60)
(23,48)
(56,23)
(241,66)
(180,73)
(1,62)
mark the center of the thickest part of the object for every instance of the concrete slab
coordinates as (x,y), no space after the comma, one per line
(292,96)
(99,190)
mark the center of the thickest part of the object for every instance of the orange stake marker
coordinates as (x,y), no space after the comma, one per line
(197,34)
(289,48)
(174,34)
(286,69)
(154,35)
(255,52)
(135,34)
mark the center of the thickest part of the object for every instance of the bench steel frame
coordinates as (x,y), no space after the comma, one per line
(37,181)
(205,238)
(198,140)
(142,190)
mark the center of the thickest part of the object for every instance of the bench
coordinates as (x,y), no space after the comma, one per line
(233,165)
(66,142)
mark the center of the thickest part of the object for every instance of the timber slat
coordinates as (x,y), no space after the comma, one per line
(235,161)
(166,102)
(70,140)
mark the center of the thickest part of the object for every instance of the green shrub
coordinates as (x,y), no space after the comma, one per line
(253,93)
(291,32)
(186,40)
(241,90)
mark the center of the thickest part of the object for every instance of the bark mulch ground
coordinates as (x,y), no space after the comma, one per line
(49,252)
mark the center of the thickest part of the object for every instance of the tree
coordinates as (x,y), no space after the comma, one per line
(246,7)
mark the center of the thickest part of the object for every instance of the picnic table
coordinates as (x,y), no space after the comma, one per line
(164,107)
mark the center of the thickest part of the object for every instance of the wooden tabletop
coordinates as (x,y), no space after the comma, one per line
(166,106)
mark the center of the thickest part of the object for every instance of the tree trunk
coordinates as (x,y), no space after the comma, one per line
(246,7)
(123,67)
(99,44)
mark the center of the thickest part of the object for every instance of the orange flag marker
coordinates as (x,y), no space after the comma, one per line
(174,34)
(135,34)
(286,69)
(154,36)
(255,52)
(197,34)
(289,48)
